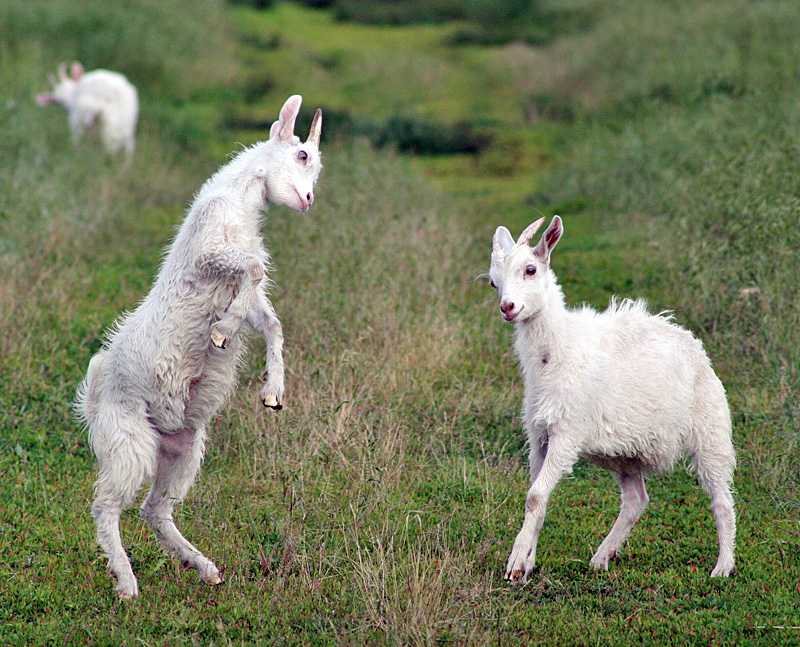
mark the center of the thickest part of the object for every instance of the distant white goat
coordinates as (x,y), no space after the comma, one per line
(630,391)
(98,97)
(171,364)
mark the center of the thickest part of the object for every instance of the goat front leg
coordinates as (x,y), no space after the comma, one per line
(229,260)
(262,318)
(558,461)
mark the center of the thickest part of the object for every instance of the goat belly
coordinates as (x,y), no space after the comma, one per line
(624,465)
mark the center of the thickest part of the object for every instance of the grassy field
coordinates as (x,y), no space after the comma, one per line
(379,506)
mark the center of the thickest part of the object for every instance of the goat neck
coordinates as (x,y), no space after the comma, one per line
(541,340)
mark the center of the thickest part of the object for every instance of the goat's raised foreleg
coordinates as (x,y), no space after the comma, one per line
(262,318)
(228,260)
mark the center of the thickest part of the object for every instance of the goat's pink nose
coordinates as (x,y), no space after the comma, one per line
(506,307)
(310,198)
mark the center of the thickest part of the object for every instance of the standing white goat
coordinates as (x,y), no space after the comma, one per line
(98,97)
(171,364)
(630,391)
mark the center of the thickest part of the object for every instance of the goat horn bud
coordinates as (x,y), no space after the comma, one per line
(530,231)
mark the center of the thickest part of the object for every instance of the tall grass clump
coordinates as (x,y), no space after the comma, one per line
(377,307)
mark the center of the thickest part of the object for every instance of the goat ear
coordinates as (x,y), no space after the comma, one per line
(529,231)
(283,129)
(549,240)
(76,71)
(44,99)
(502,242)
(62,72)
(315,133)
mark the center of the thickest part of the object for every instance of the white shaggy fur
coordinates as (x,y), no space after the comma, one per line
(99,97)
(172,363)
(630,391)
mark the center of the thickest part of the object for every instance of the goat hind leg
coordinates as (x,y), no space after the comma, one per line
(123,469)
(179,458)
(106,511)
(725,519)
(634,501)
(714,464)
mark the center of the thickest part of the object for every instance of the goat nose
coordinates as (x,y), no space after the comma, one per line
(310,198)
(506,307)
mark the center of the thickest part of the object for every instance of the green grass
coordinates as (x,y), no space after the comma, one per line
(380,505)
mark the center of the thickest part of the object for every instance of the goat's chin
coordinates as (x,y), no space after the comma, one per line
(522,316)
(294,202)
(284,203)
(296,205)
(516,317)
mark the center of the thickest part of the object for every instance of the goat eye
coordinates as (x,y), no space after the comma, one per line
(302,156)
(530,270)
(493,284)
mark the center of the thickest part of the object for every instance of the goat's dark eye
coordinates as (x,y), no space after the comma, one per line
(302,156)
(530,270)
(493,284)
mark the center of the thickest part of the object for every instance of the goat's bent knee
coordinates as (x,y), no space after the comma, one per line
(533,503)
(255,269)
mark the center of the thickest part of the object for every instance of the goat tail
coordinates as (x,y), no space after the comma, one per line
(85,405)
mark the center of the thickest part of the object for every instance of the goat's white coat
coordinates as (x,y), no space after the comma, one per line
(98,97)
(171,364)
(630,391)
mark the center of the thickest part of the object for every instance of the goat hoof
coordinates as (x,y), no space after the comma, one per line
(599,563)
(516,577)
(271,401)
(127,588)
(218,339)
(127,593)
(214,579)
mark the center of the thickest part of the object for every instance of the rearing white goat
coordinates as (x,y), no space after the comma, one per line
(98,97)
(171,364)
(630,391)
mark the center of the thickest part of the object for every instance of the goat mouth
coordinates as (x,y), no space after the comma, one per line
(513,316)
(304,204)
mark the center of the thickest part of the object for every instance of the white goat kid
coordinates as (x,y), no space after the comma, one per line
(99,97)
(171,364)
(630,391)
